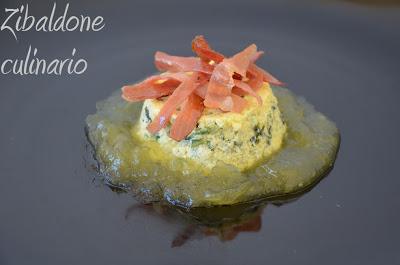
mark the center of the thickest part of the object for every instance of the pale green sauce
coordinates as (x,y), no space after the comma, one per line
(308,152)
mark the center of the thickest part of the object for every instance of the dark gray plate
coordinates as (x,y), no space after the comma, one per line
(343,57)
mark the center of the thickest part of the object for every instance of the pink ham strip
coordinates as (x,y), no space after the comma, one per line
(187,118)
(239,103)
(267,77)
(201,47)
(246,88)
(239,63)
(150,92)
(255,80)
(238,91)
(219,89)
(166,62)
(149,89)
(256,56)
(201,91)
(174,100)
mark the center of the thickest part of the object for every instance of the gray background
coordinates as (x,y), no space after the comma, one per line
(343,57)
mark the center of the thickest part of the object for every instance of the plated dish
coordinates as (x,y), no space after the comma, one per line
(210,130)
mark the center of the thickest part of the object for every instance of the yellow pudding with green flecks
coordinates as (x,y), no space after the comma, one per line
(237,139)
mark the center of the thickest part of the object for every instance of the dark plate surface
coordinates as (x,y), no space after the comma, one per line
(343,57)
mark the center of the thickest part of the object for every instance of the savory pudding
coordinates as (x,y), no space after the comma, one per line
(238,139)
(210,131)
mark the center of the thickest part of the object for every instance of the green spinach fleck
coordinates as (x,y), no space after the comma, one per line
(147,113)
